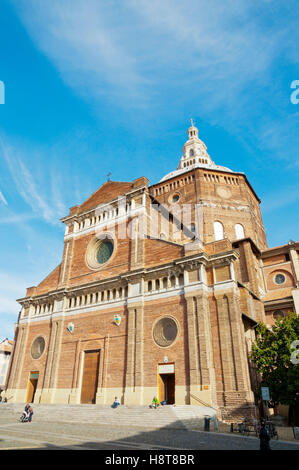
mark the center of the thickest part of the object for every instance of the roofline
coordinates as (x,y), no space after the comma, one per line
(240,173)
(279,249)
(253,245)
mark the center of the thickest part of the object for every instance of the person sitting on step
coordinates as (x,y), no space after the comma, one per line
(116,402)
(155,403)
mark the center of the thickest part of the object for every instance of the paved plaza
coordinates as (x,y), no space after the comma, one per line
(43,435)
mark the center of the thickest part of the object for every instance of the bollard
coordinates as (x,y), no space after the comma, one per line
(215,423)
(231,427)
(241,427)
(207,423)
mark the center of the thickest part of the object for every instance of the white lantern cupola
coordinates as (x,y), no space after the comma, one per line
(194,151)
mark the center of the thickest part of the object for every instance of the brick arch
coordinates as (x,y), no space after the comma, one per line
(271,284)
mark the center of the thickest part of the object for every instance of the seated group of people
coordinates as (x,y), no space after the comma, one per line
(27,413)
(155,402)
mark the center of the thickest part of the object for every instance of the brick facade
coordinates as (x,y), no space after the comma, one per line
(211,291)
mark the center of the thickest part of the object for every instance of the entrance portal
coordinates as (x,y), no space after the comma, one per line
(90,376)
(167,388)
(32,384)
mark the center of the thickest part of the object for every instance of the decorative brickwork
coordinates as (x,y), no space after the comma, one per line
(167,264)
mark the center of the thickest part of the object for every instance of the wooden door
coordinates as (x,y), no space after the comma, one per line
(170,389)
(167,388)
(162,389)
(90,376)
(32,384)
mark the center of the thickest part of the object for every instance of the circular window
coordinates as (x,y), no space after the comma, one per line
(279,278)
(38,347)
(278,314)
(105,251)
(175,198)
(99,251)
(165,332)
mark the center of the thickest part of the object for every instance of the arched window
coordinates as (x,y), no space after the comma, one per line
(218,230)
(191,153)
(239,229)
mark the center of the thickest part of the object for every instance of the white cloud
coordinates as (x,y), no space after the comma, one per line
(11,288)
(16,218)
(215,57)
(2,198)
(283,197)
(39,191)
(84,41)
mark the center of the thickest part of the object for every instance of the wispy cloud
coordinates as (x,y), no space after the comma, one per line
(87,43)
(217,58)
(2,198)
(11,288)
(280,198)
(40,192)
(16,218)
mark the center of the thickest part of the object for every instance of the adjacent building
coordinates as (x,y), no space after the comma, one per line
(6,347)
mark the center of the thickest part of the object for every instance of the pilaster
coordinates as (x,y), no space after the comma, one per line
(135,349)
(51,375)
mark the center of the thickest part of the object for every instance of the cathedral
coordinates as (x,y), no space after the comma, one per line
(159,291)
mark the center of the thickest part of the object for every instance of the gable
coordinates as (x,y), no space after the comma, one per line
(107,192)
(49,283)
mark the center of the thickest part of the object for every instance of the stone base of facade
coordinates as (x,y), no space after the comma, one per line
(138,396)
(233,414)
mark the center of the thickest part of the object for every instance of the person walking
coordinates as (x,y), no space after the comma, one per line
(264,438)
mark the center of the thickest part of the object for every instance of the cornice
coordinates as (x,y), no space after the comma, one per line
(175,267)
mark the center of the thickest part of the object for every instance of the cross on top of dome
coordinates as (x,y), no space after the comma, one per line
(192,131)
(195,155)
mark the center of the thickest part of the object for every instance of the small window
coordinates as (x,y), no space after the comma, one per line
(279,279)
(239,229)
(191,153)
(278,314)
(218,231)
(175,198)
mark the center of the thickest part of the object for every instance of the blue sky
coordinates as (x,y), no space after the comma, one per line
(94,86)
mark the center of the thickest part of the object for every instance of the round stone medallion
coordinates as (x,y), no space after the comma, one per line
(225,193)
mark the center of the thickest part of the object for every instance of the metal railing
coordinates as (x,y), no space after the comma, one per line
(202,402)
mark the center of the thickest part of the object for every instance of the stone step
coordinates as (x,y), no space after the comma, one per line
(181,416)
